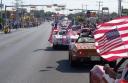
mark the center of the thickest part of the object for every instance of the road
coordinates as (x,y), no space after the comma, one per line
(27,57)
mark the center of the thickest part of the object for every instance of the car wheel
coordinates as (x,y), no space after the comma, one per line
(54,46)
(72,62)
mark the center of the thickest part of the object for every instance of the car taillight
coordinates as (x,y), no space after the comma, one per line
(78,33)
(81,52)
(123,81)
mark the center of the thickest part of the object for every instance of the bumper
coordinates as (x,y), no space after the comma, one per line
(88,59)
(61,44)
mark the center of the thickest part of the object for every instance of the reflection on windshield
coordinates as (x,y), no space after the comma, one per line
(62,33)
(85,40)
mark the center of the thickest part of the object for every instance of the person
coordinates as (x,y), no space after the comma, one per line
(1,26)
(16,24)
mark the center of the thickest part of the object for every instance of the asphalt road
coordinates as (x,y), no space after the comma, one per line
(27,57)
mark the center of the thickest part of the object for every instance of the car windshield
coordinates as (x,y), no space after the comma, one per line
(62,33)
(85,40)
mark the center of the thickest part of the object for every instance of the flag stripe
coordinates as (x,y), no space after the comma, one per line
(107,44)
(106,30)
(117,51)
(110,47)
(103,37)
(113,57)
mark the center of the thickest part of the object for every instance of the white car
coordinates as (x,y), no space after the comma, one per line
(73,38)
(61,39)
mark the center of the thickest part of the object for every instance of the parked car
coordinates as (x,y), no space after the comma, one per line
(106,74)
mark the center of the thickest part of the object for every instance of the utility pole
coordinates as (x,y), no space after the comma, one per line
(86,7)
(119,8)
(1,12)
(83,7)
(99,5)
(1,3)
(17,6)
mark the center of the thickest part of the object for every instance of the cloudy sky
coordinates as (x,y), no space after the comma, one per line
(91,4)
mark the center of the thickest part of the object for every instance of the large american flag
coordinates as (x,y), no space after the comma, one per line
(111,39)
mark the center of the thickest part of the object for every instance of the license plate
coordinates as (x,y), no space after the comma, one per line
(95,58)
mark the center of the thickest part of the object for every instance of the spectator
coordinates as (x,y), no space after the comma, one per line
(1,26)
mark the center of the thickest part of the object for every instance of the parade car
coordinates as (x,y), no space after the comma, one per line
(83,50)
(61,39)
(73,38)
(76,29)
(107,74)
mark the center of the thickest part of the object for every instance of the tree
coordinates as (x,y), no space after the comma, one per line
(113,15)
(1,20)
(125,11)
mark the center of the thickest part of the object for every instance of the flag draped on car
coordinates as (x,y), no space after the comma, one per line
(111,39)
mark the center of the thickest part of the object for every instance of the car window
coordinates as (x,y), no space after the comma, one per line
(85,40)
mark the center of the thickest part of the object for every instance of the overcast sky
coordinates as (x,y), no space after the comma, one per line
(92,4)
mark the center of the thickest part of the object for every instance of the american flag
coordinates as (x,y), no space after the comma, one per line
(111,39)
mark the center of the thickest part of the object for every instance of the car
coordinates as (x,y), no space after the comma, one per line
(73,38)
(83,50)
(76,29)
(61,39)
(107,74)
(85,32)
